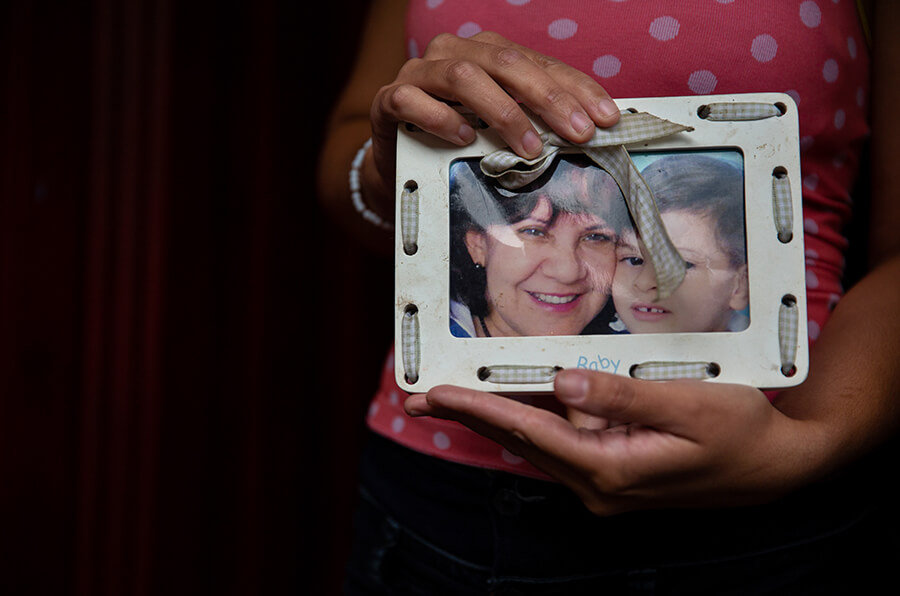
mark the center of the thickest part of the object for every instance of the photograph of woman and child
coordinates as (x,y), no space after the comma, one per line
(560,256)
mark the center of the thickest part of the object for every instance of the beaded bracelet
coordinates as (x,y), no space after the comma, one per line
(356,192)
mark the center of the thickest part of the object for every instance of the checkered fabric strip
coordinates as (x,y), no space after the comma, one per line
(783,207)
(634,127)
(606,148)
(514,374)
(667,371)
(410,345)
(513,171)
(661,252)
(409,220)
(788,332)
(731,111)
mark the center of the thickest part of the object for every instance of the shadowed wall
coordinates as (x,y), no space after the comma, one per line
(186,347)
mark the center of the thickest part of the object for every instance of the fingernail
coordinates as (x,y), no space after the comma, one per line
(531,143)
(412,407)
(466,133)
(608,108)
(571,385)
(580,122)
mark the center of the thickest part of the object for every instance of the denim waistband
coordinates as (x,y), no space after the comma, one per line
(516,524)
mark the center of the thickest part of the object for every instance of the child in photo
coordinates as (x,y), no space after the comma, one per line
(701,203)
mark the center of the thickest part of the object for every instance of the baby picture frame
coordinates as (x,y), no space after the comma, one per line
(669,246)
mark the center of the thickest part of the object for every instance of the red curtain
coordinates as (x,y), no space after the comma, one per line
(186,344)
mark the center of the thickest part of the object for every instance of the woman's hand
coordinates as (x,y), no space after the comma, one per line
(491,76)
(680,443)
(488,74)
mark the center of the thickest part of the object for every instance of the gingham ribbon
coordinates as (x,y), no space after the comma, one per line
(409,340)
(730,111)
(607,150)
(788,329)
(665,371)
(409,219)
(782,206)
(518,374)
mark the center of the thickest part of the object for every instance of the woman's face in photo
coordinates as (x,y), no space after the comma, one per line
(545,276)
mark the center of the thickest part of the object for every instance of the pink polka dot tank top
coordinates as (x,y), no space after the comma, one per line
(814,50)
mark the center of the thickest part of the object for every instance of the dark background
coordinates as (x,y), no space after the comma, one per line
(187,345)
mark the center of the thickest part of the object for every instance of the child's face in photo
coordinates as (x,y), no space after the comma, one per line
(713,288)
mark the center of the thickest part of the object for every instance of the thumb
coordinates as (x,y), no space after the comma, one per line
(657,404)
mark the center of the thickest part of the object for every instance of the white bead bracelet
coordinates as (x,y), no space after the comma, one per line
(356,192)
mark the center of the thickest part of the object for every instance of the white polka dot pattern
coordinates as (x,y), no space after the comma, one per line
(811,181)
(813,330)
(398,424)
(812,280)
(702,82)
(441,440)
(468,29)
(510,457)
(840,118)
(764,48)
(830,70)
(607,66)
(810,14)
(562,29)
(664,28)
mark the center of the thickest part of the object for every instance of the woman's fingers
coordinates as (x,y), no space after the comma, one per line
(613,463)
(502,415)
(588,94)
(412,98)
(601,108)
(504,421)
(673,406)
(581,419)
(671,442)
(406,102)
(567,99)
(490,76)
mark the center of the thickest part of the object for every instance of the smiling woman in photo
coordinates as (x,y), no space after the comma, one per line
(537,261)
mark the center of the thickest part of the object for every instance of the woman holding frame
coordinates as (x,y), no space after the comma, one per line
(766,489)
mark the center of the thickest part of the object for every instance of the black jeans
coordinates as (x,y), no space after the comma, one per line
(430,527)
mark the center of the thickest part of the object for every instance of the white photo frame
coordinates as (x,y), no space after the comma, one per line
(760,131)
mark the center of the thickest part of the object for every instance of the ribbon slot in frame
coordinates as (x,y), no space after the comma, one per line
(768,352)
